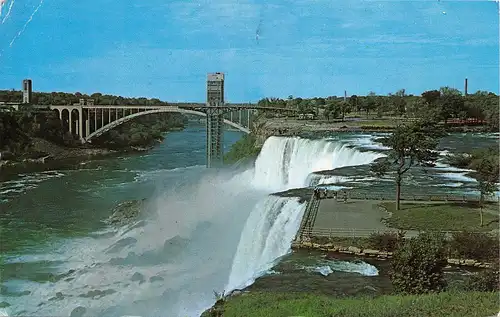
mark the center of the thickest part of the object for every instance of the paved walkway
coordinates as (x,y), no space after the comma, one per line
(355,218)
(361,214)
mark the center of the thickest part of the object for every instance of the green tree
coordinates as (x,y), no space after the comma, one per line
(354,102)
(417,265)
(487,175)
(370,103)
(431,97)
(344,108)
(412,144)
(452,103)
(398,102)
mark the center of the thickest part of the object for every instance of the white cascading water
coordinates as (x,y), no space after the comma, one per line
(283,163)
(286,163)
(267,235)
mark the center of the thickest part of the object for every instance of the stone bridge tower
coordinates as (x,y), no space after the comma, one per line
(215,119)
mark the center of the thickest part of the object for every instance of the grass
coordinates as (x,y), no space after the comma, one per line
(439,217)
(270,304)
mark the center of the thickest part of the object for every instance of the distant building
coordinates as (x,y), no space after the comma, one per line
(215,88)
(27,90)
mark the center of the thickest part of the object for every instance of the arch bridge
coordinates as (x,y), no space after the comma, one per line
(89,121)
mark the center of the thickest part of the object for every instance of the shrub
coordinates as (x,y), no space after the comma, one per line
(472,245)
(487,280)
(385,241)
(417,265)
(461,160)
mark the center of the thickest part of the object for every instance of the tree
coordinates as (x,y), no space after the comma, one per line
(398,102)
(353,101)
(452,103)
(371,103)
(417,265)
(413,144)
(344,107)
(431,97)
(487,176)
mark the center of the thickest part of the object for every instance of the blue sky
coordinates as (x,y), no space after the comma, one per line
(162,48)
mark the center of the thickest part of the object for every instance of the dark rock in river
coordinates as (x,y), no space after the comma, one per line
(302,193)
(126,212)
(78,312)
(97,294)
(155,278)
(138,277)
(4,305)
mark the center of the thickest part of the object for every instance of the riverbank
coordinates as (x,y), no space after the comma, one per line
(53,156)
(447,304)
(360,247)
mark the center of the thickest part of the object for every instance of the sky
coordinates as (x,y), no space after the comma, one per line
(267,48)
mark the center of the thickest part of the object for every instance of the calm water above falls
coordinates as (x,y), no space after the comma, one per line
(203,228)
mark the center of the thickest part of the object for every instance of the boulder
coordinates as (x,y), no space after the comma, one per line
(333,249)
(78,311)
(454,261)
(371,252)
(125,212)
(355,250)
(137,277)
(470,262)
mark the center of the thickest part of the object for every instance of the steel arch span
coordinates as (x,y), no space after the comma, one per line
(120,121)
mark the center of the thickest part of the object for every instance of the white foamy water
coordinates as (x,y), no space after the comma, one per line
(26,182)
(327,267)
(286,163)
(368,142)
(459,177)
(266,236)
(216,232)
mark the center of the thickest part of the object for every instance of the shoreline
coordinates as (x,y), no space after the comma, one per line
(377,254)
(63,157)
(58,156)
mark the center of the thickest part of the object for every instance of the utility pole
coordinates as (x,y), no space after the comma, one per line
(466,84)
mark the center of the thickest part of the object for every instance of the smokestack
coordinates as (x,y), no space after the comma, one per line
(345,95)
(466,86)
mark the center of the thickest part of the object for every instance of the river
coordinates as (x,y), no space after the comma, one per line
(201,230)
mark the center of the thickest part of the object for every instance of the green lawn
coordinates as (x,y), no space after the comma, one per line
(439,216)
(312,305)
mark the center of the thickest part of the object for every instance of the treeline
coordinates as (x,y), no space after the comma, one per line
(444,104)
(17,129)
(143,131)
(63,98)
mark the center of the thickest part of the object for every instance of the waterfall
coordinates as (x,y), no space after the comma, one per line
(267,235)
(283,163)
(286,163)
